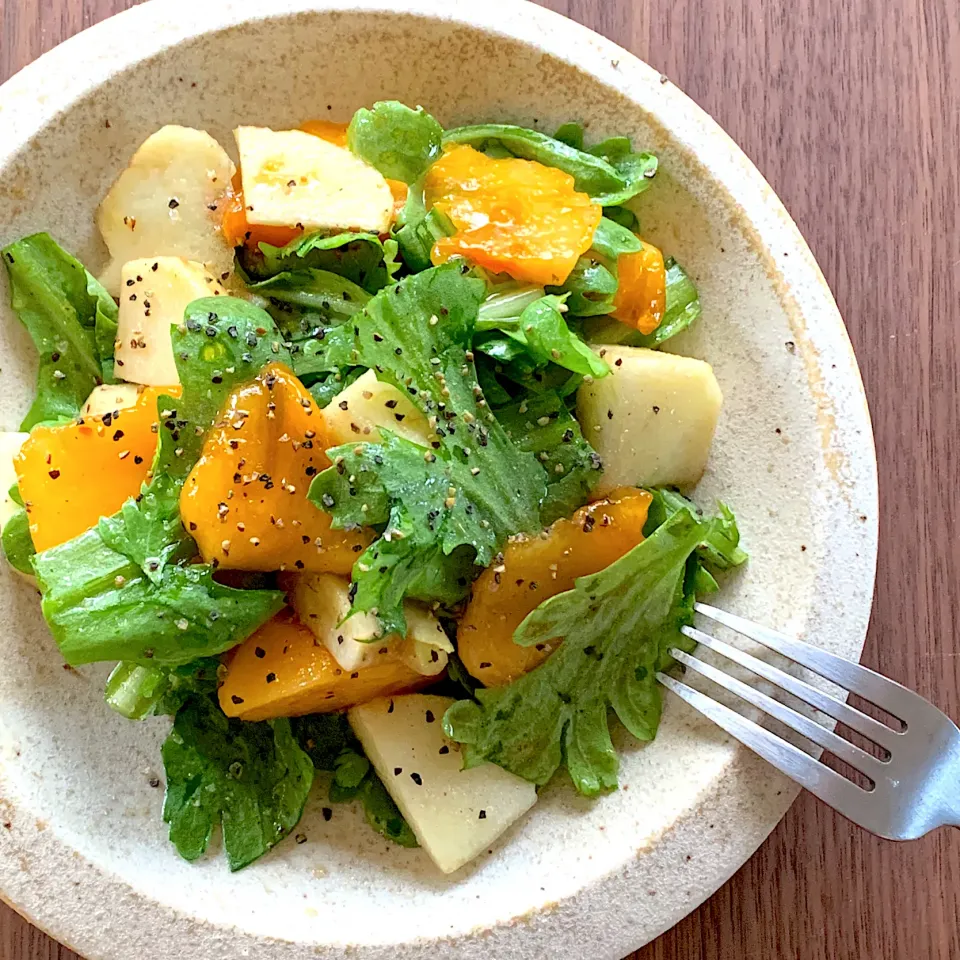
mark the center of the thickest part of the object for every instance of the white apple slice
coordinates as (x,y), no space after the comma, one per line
(456,814)
(292,178)
(357,413)
(156,291)
(652,419)
(322,600)
(168,203)
(109,397)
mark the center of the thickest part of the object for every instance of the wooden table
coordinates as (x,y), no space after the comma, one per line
(849,108)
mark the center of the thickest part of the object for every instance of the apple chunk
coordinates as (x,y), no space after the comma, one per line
(456,814)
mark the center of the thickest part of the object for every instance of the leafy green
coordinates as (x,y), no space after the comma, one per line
(311,309)
(383,814)
(610,178)
(544,338)
(542,425)
(327,385)
(360,257)
(419,229)
(720,548)
(592,285)
(571,134)
(148,533)
(18,543)
(431,504)
(71,319)
(331,745)
(590,288)
(682,309)
(324,736)
(623,216)
(399,141)
(224,341)
(617,626)
(473,489)
(253,778)
(133,690)
(504,303)
(610,239)
(100,606)
(137,692)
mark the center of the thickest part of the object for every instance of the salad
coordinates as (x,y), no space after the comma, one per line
(360,461)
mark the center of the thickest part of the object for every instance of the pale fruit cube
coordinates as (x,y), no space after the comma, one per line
(292,178)
(456,814)
(109,397)
(356,413)
(322,600)
(156,292)
(168,203)
(652,419)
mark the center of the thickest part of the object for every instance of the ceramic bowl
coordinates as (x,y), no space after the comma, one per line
(83,852)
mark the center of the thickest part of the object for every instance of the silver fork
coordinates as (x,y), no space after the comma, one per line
(913,789)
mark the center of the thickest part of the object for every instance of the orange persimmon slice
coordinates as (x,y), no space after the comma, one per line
(641,296)
(72,475)
(512,216)
(281,671)
(245,501)
(535,568)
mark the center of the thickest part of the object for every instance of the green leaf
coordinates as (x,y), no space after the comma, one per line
(542,425)
(571,134)
(331,745)
(71,319)
(383,814)
(18,543)
(251,777)
(182,616)
(609,180)
(419,229)
(147,534)
(545,337)
(505,303)
(623,216)
(311,309)
(610,239)
(416,336)
(590,288)
(720,548)
(137,692)
(327,385)
(360,257)
(614,625)
(682,309)
(324,736)
(224,341)
(134,691)
(432,505)
(399,141)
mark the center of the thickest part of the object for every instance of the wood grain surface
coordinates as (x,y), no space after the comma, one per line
(849,108)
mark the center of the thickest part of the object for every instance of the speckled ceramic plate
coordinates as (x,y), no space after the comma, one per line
(82,848)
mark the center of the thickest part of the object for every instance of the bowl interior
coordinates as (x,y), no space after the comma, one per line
(76,777)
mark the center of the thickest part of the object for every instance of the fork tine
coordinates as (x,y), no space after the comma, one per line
(878,732)
(846,751)
(845,797)
(891,696)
